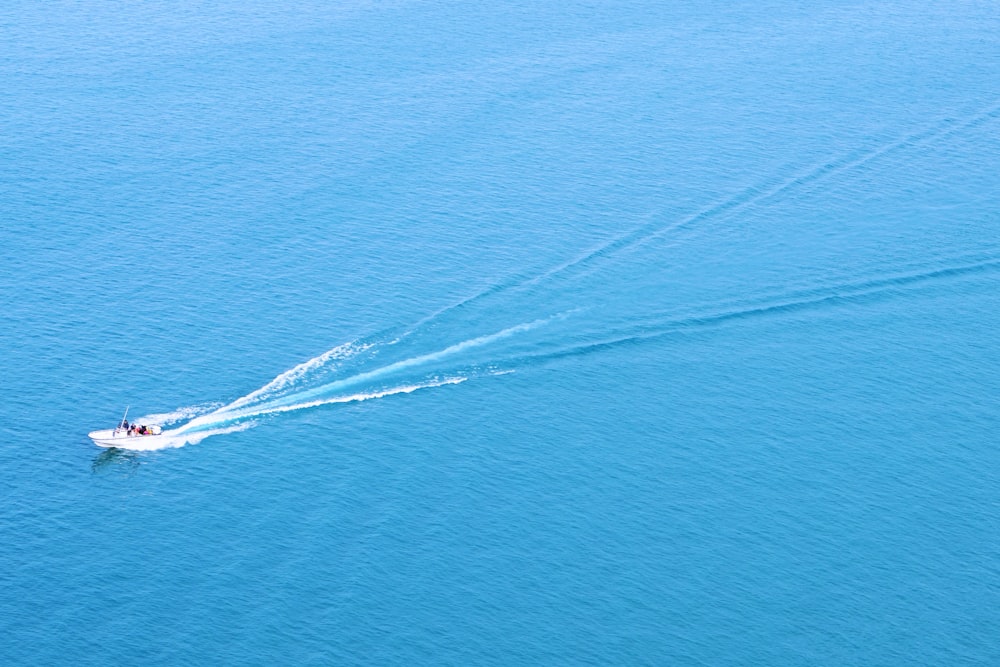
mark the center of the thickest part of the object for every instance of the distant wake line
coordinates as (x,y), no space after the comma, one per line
(654,328)
(771,189)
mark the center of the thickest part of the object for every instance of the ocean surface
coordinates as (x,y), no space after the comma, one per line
(501,333)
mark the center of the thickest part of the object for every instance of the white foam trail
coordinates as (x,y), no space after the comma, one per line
(410,363)
(240,414)
(293,375)
(181,436)
(353,398)
(315,396)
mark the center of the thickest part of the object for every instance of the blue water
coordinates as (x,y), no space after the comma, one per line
(511,333)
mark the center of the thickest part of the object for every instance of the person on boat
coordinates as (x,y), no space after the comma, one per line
(124,424)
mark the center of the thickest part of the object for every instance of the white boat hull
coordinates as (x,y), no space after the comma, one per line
(120,438)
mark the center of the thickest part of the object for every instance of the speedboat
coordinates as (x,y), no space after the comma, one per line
(120,437)
(136,437)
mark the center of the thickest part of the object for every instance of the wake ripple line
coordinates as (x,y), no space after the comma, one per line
(745,199)
(806,300)
(756,194)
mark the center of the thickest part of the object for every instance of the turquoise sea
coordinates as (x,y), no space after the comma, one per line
(501,333)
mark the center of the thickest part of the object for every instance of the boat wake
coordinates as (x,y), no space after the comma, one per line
(334,377)
(372,369)
(471,338)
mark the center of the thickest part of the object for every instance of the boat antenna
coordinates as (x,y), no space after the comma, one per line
(121,424)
